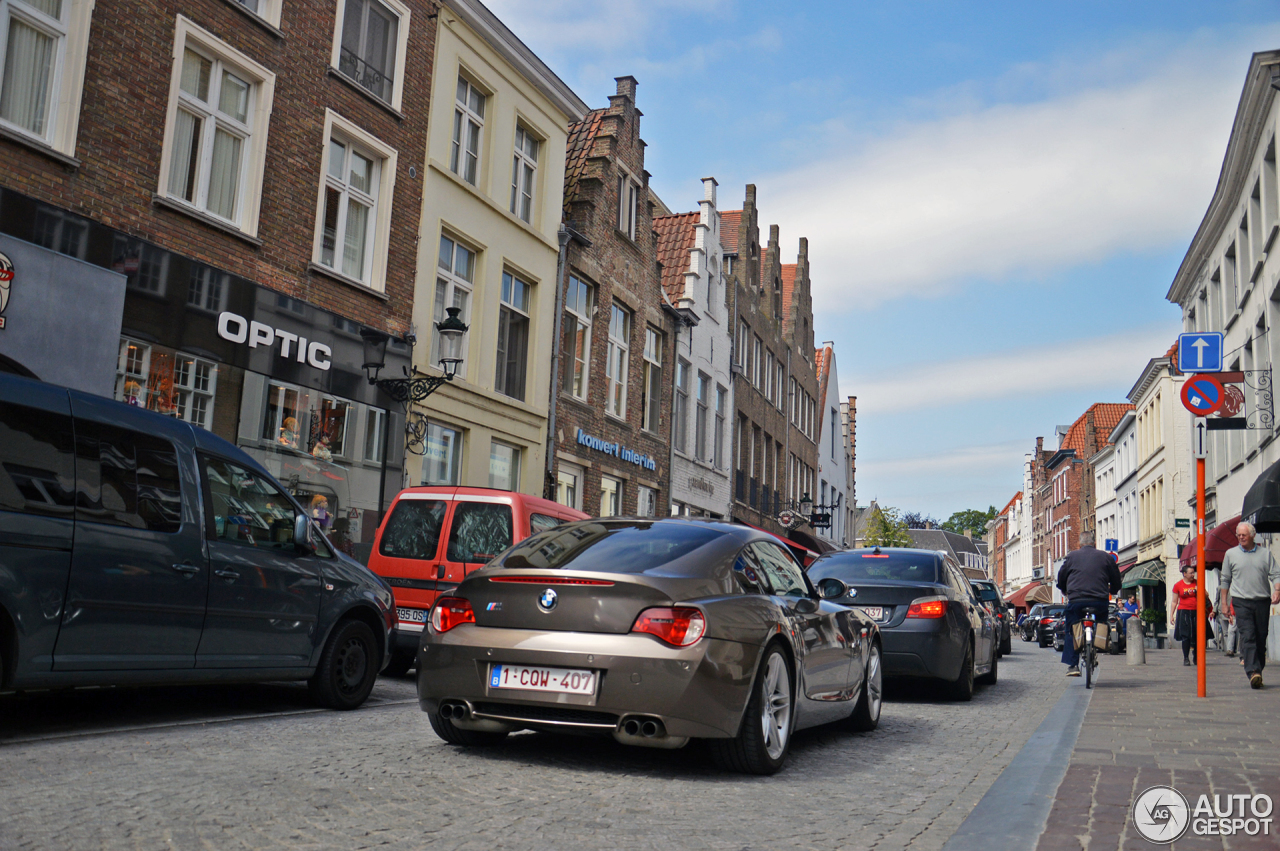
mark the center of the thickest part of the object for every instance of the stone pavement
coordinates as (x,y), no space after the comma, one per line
(1145,726)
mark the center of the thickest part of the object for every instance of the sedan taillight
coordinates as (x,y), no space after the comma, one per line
(680,626)
(451,611)
(1046,621)
(928,607)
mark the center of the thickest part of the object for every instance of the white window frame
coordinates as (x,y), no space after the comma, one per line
(339,129)
(579,476)
(506,303)
(402,48)
(651,416)
(66,81)
(618,357)
(524,173)
(680,407)
(463,112)
(453,282)
(646,501)
(617,491)
(701,418)
(517,459)
(628,203)
(722,405)
(254,153)
(268,10)
(575,369)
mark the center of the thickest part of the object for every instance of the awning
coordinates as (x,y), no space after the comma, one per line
(1030,594)
(1262,502)
(1220,539)
(1149,573)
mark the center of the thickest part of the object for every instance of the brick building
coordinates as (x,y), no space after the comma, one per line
(613,405)
(775,383)
(220,195)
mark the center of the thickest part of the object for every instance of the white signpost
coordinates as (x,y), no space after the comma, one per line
(1200,438)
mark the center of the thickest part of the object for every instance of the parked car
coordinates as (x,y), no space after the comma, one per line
(654,632)
(1028,624)
(990,596)
(434,536)
(138,549)
(931,621)
(1116,638)
(1051,618)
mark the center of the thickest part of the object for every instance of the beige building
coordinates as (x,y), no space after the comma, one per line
(492,197)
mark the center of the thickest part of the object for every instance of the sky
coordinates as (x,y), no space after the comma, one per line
(996,195)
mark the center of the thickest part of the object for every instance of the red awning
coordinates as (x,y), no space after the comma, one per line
(1220,539)
(1019,598)
(1128,565)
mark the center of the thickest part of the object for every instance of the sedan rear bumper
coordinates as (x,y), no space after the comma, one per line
(921,648)
(699,691)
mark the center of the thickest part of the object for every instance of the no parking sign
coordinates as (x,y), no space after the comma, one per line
(1202,395)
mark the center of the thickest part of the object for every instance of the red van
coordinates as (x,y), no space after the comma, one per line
(434,536)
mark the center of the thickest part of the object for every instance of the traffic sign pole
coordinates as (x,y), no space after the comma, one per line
(1201,688)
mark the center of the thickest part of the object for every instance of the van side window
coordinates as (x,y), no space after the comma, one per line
(247,508)
(480,531)
(37,462)
(542,522)
(126,478)
(413,529)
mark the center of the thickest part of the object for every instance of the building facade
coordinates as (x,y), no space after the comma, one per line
(702,403)
(617,349)
(833,450)
(493,177)
(236,205)
(1125,460)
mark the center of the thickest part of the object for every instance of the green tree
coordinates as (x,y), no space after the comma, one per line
(886,529)
(972,519)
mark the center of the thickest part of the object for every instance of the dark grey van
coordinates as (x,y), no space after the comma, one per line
(138,549)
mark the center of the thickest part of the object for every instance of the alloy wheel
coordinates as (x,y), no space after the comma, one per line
(776,709)
(875,684)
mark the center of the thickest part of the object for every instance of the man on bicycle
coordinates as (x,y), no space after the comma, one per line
(1087,579)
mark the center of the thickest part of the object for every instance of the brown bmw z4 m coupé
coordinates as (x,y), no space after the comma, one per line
(653,632)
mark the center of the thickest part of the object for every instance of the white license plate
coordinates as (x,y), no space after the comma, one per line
(874,612)
(528,678)
(411,615)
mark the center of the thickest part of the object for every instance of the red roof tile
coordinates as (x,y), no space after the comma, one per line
(1106,416)
(822,360)
(1017,496)
(729,221)
(676,235)
(581,135)
(788,286)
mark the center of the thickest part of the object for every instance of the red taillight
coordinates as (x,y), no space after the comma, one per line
(451,611)
(1046,621)
(680,626)
(928,607)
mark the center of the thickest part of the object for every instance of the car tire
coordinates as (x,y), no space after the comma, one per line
(990,677)
(866,712)
(961,688)
(401,662)
(763,739)
(1042,642)
(1006,646)
(454,735)
(348,667)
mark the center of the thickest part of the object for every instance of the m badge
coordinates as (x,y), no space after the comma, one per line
(6,282)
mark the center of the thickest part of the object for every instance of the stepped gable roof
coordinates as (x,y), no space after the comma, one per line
(788,285)
(822,361)
(676,236)
(1106,416)
(581,135)
(729,222)
(1017,496)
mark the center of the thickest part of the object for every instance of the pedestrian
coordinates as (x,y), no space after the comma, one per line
(1251,584)
(1184,627)
(1088,577)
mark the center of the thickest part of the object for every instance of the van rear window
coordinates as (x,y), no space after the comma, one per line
(480,531)
(413,529)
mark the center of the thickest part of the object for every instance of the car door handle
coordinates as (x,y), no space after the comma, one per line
(226,574)
(189,570)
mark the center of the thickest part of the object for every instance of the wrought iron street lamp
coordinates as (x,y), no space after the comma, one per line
(416,387)
(806,505)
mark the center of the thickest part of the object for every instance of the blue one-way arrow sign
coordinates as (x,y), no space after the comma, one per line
(1200,352)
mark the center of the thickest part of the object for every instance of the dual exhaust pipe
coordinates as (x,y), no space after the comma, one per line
(455,711)
(649,728)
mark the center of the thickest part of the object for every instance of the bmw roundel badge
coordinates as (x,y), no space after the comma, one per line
(853,592)
(547,601)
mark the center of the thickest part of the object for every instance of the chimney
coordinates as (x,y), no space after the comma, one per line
(627,87)
(928,525)
(968,533)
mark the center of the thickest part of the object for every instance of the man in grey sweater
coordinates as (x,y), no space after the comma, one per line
(1252,577)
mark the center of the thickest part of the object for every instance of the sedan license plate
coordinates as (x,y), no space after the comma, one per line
(874,612)
(411,615)
(529,678)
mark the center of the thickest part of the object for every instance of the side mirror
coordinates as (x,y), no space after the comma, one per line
(302,534)
(832,588)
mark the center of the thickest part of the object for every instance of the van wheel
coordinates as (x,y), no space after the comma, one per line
(348,667)
(401,662)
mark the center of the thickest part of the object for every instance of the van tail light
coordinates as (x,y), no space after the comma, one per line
(680,626)
(449,612)
(928,607)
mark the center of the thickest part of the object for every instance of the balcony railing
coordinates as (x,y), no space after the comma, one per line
(378,83)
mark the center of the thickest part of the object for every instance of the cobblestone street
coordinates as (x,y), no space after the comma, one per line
(256,767)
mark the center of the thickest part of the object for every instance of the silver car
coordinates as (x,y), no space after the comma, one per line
(653,632)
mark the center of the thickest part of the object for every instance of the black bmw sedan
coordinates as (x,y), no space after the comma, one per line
(931,623)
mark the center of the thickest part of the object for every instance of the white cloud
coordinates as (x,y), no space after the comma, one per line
(1019,188)
(969,459)
(1076,365)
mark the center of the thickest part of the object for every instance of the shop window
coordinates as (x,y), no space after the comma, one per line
(215,132)
(126,478)
(455,275)
(167,382)
(479,531)
(413,529)
(353,217)
(504,467)
(42,73)
(524,170)
(468,124)
(375,435)
(610,496)
(306,421)
(247,508)
(513,337)
(371,49)
(442,456)
(37,462)
(569,480)
(580,307)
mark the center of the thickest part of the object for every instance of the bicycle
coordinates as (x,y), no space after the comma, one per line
(1088,653)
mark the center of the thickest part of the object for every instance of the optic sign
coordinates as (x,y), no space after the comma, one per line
(237,329)
(1202,395)
(1200,352)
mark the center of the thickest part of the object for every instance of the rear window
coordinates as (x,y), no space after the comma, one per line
(413,530)
(613,547)
(884,567)
(480,531)
(987,593)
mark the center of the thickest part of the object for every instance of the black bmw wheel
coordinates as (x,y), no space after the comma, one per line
(348,667)
(961,688)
